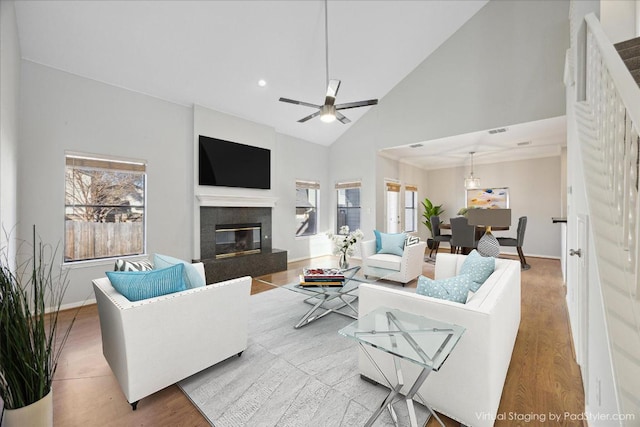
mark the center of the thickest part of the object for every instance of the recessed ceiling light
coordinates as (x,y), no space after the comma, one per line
(262,82)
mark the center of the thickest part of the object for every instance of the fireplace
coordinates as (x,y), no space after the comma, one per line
(237,239)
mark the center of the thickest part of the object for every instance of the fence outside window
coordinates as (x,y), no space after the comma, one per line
(104,208)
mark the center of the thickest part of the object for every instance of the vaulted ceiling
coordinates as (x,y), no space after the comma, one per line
(213,53)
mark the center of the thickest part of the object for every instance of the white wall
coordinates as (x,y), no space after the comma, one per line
(535,188)
(302,160)
(503,67)
(9,101)
(618,19)
(61,111)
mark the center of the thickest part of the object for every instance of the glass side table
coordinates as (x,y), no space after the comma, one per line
(320,296)
(417,339)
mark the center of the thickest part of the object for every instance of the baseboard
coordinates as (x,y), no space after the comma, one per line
(73,305)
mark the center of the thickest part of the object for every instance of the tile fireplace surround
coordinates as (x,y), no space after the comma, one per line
(267,260)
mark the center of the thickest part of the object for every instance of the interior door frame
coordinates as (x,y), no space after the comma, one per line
(387,183)
(581,290)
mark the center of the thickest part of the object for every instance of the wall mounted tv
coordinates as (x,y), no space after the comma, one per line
(229,164)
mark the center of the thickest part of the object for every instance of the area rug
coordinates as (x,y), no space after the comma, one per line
(290,377)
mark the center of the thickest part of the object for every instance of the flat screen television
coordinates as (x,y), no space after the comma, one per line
(230,164)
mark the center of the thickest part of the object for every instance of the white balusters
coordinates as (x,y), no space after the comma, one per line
(610,143)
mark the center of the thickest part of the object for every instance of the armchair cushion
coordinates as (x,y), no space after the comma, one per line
(454,288)
(388,261)
(479,268)
(192,277)
(139,285)
(392,243)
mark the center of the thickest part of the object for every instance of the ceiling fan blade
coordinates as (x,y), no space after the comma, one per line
(309,117)
(293,101)
(332,92)
(356,104)
(342,118)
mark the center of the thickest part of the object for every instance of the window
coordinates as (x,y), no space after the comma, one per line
(307,208)
(411,208)
(348,205)
(104,208)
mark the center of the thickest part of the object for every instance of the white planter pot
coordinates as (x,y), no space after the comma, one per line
(38,414)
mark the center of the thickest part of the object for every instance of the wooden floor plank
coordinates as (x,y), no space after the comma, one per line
(543,376)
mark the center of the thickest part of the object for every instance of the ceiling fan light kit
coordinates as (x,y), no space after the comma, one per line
(328,112)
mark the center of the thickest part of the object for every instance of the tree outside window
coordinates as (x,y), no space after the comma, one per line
(348,208)
(104,208)
(307,208)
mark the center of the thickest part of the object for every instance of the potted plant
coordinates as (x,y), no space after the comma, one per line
(430,210)
(30,340)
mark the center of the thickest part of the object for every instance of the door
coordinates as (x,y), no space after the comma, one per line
(392,207)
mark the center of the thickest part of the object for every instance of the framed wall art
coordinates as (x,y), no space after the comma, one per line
(488,198)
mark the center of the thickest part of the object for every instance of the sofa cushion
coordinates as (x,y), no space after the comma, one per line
(139,285)
(386,261)
(126,265)
(454,288)
(392,243)
(192,278)
(478,267)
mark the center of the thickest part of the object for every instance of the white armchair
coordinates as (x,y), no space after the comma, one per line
(396,268)
(153,343)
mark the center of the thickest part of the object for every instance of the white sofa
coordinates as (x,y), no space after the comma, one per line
(153,343)
(396,268)
(469,385)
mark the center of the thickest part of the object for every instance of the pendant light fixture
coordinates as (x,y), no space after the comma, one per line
(471,182)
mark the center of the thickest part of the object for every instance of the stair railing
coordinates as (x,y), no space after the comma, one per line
(608,123)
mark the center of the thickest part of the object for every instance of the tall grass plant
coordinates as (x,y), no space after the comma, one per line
(30,339)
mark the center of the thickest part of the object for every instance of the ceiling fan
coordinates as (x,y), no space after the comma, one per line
(329,111)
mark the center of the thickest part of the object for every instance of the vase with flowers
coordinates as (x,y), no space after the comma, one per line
(343,244)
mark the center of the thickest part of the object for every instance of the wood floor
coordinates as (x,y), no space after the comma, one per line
(543,377)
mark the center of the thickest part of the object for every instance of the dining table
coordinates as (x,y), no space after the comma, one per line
(479,229)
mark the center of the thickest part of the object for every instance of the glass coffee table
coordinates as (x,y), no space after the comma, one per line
(330,299)
(417,339)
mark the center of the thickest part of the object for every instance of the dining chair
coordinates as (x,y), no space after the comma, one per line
(463,235)
(517,242)
(437,235)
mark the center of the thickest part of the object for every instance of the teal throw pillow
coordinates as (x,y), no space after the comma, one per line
(378,242)
(451,289)
(392,243)
(139,285)
(192,278)
(478,267)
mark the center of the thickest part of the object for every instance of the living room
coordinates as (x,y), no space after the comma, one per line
(75,114)
(49,112)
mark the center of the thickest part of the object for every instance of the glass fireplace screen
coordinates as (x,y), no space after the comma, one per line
(237,239)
